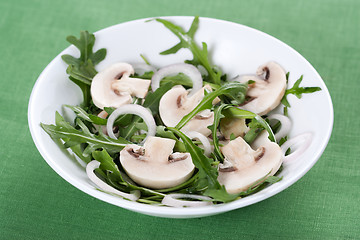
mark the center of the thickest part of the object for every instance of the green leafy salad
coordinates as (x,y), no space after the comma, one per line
(182,135)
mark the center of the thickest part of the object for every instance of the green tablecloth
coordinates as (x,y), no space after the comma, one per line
(35,203)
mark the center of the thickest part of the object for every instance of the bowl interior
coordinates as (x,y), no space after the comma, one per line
(237,50)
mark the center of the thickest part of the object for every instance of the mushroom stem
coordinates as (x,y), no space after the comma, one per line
(134,86)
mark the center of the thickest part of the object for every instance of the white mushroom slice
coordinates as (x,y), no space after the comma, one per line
(245,166)
(266,93)
(176,103)
(236,126)
(155,165)
(113,87)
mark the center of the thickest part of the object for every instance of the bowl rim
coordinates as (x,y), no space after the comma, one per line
(169,211)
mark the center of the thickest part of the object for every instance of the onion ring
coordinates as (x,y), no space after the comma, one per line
(91,166)
(285,125)
(135,109)
(204,141)
(191,71)
(305,139)
(142,68)
(172,201)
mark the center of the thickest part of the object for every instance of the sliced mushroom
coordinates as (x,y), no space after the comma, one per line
(176,103)
(155,165)
(244,166)
(113,87)
(266,92)
(236,126)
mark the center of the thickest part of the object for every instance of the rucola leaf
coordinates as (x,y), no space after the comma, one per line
(200,161)
(71,136)
(217,116)
(297,91)
(235,112)
(85,45)
(200,54)
(82,69)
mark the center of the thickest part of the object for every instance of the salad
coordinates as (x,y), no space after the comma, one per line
(182,135)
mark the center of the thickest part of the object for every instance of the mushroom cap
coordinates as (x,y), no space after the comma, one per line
(155,165)
(266,93)
(236,126)
(176,103)
(245,166)
(112,87)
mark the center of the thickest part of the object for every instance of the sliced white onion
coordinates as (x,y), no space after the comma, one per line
(285,125)
(204,141)
(141,68)
(191,71)
(304,139)
(173,201)
(135,109)
(91,166)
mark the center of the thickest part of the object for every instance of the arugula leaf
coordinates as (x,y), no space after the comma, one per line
(200,161)
(152,99)
(81,113)
(82,70)
(233,90)
(235,112)
(217,116)
(221,194)
(107,164)
(85,45)
(297,91)
(71,136)
(255,129)
(200,55)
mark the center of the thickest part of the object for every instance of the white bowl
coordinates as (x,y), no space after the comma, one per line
(237,49)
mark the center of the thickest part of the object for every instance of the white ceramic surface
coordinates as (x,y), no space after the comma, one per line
(237,49)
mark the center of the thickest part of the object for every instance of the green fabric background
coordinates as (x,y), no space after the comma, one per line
(36,203)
